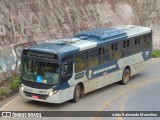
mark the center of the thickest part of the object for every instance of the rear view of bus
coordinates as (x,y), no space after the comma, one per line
(68,68)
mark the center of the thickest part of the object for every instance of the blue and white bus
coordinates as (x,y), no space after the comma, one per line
(66,69)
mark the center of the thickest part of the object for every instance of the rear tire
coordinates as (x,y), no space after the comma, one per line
(126,76)
(77,94)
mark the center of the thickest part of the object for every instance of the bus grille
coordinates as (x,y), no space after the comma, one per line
(28,94)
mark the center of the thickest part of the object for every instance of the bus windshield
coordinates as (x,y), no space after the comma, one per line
(41,72)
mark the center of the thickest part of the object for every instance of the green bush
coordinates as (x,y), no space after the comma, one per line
(156,54)
(2,91)
(14,83)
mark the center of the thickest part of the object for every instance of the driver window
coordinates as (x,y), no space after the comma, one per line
(67,68)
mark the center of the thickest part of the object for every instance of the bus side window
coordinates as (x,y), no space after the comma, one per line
(108,53)
(124,44)
(63,72)
(117,53)
(93,59)
(139,40)
(79,61)
(67,68)
(128,44)
(136,41)
(145,38)
(149,39)
(112,47)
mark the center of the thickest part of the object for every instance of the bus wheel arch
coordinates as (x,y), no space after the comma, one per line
(78,92)
(82,90)
(126,75)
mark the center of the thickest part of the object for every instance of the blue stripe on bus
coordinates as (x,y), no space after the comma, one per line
(65,85)
(101,70)
(147,55)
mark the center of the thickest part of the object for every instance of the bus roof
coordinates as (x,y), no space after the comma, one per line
(90,39)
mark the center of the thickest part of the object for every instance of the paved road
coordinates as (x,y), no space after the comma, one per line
(141,93)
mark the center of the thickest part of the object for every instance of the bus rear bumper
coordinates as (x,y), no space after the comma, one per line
(56,98)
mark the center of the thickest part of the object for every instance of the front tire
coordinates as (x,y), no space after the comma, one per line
(77,94)
(126,76)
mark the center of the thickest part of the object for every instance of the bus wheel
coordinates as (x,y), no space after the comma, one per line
(77,94)
(126,76)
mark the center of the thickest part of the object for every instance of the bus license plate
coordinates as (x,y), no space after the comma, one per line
(35,97)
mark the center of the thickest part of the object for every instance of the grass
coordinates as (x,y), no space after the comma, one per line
(14,84)
(156,53)
(10,84)
(3,91)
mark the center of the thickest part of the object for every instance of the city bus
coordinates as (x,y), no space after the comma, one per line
(68,68)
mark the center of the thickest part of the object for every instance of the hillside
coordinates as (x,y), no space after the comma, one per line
(26,22)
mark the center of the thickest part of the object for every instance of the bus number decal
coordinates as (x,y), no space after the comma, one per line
(79,75)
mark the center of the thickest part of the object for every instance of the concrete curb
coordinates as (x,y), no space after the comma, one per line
(155,59)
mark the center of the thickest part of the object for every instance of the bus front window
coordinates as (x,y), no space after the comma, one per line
(41,72)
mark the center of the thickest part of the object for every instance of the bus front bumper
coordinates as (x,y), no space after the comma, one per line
(55,98)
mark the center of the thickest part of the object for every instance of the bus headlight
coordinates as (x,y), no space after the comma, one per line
(22,89)
(52,93)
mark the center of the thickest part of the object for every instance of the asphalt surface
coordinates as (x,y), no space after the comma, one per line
(140,94)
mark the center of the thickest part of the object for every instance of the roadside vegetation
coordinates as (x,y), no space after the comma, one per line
(156,53)
(3,91)
(10,85)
